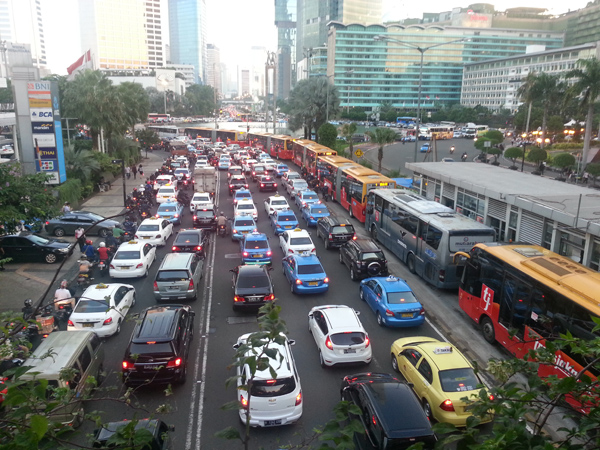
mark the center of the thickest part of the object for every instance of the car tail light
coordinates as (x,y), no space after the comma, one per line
(422,312)
(245,254)
(298,282)
(447,405)
(367,341)
(269,297)
(156,216)
(176,215)
(246,185)
(389,313)
(155,287)
(326,280)
(47,223)
(139,266)
(442,275)
(314,250)
(328,343)
(290,250)
(195,218)
(231,186)
(158,236)
(269,253)
(174,363)
(70,323)
(191,285)
(262,184)
(112,267)
(312,218)
(330,236)
(244,402)
(299,398)
(127,365)
(238,299)
(175,249)
(107,321)
(199,248)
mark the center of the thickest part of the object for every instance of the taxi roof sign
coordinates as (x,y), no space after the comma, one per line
(101,286)
(442,350)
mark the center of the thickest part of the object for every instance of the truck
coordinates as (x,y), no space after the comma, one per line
(179,148)
(205,180)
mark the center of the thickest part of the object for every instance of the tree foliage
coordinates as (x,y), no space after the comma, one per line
(347,130)
(381,137)
(563,161)
(146,137)
(200,100)
(536,155)
(513,153)
(308,104)
(327,135)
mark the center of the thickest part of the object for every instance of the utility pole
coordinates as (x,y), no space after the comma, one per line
(270,67)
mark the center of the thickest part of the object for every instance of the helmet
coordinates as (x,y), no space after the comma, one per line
(28,302)
(134,189)
(88,242)
(83,258)
(102,244)
(222,213)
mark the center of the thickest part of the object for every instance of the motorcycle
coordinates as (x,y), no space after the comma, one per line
(464,157)
(452,150)
(85,278)
(63,312)
(222,230)
(103,266)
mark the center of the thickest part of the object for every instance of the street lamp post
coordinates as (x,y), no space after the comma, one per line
(524,136)
(122,162)
(421,50)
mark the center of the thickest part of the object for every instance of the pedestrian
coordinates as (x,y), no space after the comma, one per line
(542,167)
(134,171)
(586,177)
(128,172)
(66,208)
(80,238)
(141,170)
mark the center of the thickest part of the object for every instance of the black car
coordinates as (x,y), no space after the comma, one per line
(191,241)
(157,428)
(205,218)
(252,287)
(258,171)
(391,414)
(267,183)
(26,246)
(237,182)
(334,231)
(364,258)
(69,222)
(159,347)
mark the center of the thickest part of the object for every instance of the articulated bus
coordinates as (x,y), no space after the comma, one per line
(260,140)
(196,132)
(281,147)
(230,136)
(424,234)
(329,172)
(165,131)
(356,183)
(441,132)
(524,296)
(306,153)
(159,118)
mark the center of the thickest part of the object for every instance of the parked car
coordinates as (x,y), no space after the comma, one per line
(69,222)
(364,258)
(160,440)
(26,246)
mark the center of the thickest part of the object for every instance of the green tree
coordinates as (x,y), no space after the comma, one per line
(6,94)
(594,170)
(201,99)
(555,125)
(536,155)
(327,135)
(136,102)
(80,164)
(156,100)
(494,137)
(563,161)
(309,101)
(513,153)
(347,130)
(146,137)
(381,137)
(587,88)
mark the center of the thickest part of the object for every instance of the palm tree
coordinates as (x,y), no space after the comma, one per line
(81,163)
(381,137)
(587,87)
(136,102)
(528,93)
(552,92)
(347,131)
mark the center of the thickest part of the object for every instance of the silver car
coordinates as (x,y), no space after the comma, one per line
(178,277)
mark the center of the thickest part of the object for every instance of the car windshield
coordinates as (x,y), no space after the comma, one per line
(279,202)
(309,269)
(318,211)
(167,208)
(166,191)
(148,228)
(184,239)
(244,223)
(272,388)
(163,181)
(172,275)
(157,348)
(184,171)
(38,239)
(458,380)
(346,229)
(245,206)
(246,282)
(91,306)
(205,213)
(400,298)
(309,197)
(300,241)
(372,255)
(348,338)
(201,198)
(127,254)
(286,218)
(95,217)
(256,245)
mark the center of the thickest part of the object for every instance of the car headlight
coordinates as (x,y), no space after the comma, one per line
(63,250)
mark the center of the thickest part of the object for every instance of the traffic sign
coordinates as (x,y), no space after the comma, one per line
(359,153)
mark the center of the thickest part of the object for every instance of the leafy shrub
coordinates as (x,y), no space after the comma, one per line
(70,191)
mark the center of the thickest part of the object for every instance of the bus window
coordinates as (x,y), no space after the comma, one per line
(407,221)
(431,235)
(514,305)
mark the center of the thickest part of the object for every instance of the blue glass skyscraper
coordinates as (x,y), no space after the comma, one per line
(187,30)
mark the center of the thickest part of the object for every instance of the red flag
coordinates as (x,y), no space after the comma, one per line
(436,97)
(84,62)
(427,96)
(73,67)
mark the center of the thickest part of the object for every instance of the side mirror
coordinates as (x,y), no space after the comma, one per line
(292,341)
(236,346)
(192,313)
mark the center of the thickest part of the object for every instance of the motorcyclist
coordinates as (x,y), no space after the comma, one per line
(183,198)
(136,195)
(103,252)
(63,296)
(111,242)
(452,149)
(89,250)
(117,232)
(221,220)
(145,209)
(85,266)
(464,156)
(128,225)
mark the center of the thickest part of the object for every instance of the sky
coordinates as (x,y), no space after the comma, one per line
(236,25)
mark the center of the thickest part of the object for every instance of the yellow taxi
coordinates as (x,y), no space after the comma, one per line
(441,377)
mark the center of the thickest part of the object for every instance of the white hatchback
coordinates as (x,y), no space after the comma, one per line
(339,335)
(295,242)
(270,400)
(245,207)
(102,308)
(201,200)
(132,259)
(154,231)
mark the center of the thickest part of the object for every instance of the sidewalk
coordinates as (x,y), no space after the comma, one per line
(30,280)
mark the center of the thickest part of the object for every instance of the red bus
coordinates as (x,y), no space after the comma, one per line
(329,172)
(306,153)
(260,140)
(281,147)
(356,182)
(523,296)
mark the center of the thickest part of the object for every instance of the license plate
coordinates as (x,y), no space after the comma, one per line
(258,256)
(146,237)
(269,423)
(87,325)
(254,299)
(287,227)
(313,283)
(349,350)
(125,267)
(173,288)
(244,232)
(149,367)
(407,316)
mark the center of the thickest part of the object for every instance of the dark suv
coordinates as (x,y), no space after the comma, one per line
(252,287)
(390,412)
(334,231)
(364,258)
(191,241)
(161,440)
(159,347)
(205,218)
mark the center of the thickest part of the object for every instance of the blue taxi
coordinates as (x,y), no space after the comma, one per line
(241,194)
(392,301)
(255,249)
(312,212)
(305,273)
(241,226)
(280,169)
(305,197)
(283,220)
(171,211)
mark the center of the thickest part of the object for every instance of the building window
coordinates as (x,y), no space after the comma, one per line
(595,258)
(572,246)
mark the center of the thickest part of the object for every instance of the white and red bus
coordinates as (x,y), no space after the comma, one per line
(159,118)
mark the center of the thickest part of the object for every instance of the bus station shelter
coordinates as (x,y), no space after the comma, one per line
(521,207)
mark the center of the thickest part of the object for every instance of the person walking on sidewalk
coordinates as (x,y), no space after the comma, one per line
(80,238)
(134,171)
(141,170)
(128,172)
(66,208)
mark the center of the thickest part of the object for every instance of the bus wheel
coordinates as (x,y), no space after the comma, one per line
(487,328)
(374,232)
(350,212)
(410,262)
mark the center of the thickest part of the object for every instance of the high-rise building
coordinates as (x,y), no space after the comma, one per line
(285,21)
(187,30)
(21,22)
(122,34)
(244,83)
(213,67)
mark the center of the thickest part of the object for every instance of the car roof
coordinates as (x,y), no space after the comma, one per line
(282,368)
(340,317)
(297,232)
(101,290)
(256,237)
(306,192)
(366,245)
(393,284)
(284,212)
(306,260)
(151,221)
(242,201)
(443,354)
(252,270)
(158,323)
(242,191)
(336,221)
(109,429)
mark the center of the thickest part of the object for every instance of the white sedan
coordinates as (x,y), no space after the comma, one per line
(276,203)
(296,241)
(102,308)
(201,200)
(154,231)
(245,207)
(133,259)
(166,194)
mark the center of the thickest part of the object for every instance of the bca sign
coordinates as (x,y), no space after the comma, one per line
(41,114)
